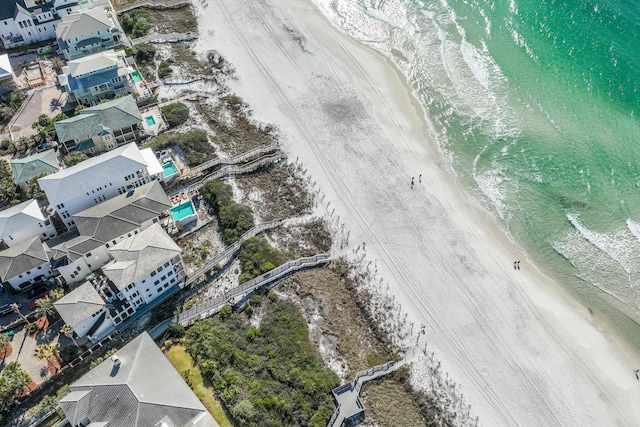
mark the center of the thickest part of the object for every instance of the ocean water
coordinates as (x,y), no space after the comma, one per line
(536,106)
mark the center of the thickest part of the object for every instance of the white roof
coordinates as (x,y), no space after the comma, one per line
(95,62)
(79,304)
(82,23)
(92,173)
(153,165)
(20,217)
(5,66)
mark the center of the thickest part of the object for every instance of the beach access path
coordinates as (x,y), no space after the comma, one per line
(523,351)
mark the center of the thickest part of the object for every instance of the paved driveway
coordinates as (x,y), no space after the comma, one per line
(46,100)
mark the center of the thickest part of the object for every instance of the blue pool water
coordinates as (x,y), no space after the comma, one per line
(169,169)
(182,211)
(136,76)
(150,120)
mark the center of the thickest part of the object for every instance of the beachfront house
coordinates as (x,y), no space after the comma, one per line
(84,309)
(23,222)
(87,32)
(102,127)
(24,264)
(102,226)
(145,266)
(27,168)
(103,75)
(98,179)
(7,77)
(136,387)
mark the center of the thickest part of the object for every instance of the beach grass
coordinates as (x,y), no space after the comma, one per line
(182,361)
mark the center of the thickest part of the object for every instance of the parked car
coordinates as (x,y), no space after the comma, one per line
(7,309)
(46,146)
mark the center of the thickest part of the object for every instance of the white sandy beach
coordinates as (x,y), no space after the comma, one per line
(523,351)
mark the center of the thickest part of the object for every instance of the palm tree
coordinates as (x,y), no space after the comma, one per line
(44,352)
(49,403)
(44,307)
(16,308)
(5,342)
(67,331)
(56,293)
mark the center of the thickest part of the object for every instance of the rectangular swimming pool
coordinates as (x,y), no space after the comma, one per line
(169,169)
(136,76)
(182,211)
(150,120)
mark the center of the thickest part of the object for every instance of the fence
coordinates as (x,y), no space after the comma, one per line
(197,170)
(210,307)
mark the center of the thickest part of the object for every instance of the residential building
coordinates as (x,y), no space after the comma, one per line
(102,127)
(29,21)
(136,387)
(24,264)
(83,308)
(145,266)
(102,75)
(87,32)
(104,225)
(7,77)
(29,167)
(23,222)
(26,21)
(96,180)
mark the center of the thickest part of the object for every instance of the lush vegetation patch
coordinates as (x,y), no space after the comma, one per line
(164,69)
(144,54)
(266,376)
(195,145)
(136,23)
(183,363)
(257,257)
(176,114)
(7,186)
(234,219)
(13,380)
(73,159)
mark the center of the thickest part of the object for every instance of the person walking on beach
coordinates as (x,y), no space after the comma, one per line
(636,372)
(518,263)
(420,178)
(515,265)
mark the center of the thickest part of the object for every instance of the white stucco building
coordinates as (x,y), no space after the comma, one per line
(96,180)
(23,222)
(87,32)
(24,264)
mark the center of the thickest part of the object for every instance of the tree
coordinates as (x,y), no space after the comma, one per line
(13,380)
(5,342)
(56,294)
(73,159)
(16,309)
(7,186)
(46,352)
(57,64)
(44,307)
(49,403)
(33,189)
(67,331)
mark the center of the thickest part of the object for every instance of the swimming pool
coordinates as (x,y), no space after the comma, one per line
(183,211)
(150,120)
(169,169)
(136,76)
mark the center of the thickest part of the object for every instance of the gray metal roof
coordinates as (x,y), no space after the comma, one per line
(122,214)
(144,390)
(113,115)
(21,258)
(79,304)
(137,256)
(82,23)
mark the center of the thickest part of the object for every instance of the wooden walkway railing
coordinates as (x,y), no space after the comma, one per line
(197,170)
(157,4)
(158,38)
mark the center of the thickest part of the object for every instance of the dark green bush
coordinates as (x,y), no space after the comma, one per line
(257,257)
(266,376)
(176,114)
(234,219)
(164,69)
(145,54)
(136,23)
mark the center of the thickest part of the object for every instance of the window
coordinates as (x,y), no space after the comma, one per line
(170,274)
(156,282)
(166,264)
(20,276)
(153,273)
(39,267)
(173,280)
(159,269)
(163,278)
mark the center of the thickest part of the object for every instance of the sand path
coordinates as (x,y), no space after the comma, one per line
(524,352)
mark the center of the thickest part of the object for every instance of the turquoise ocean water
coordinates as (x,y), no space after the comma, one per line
(536,106)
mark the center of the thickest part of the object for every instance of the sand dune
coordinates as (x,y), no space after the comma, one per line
(523,351)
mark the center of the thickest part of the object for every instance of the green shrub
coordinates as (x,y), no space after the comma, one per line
(175,330)
(267,376)
(257,257)
(234,219)
(136,23)
(73,159)
(145,54)
(176,114)
(164,69)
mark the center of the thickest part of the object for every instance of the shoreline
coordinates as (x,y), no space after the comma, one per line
(562,326)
